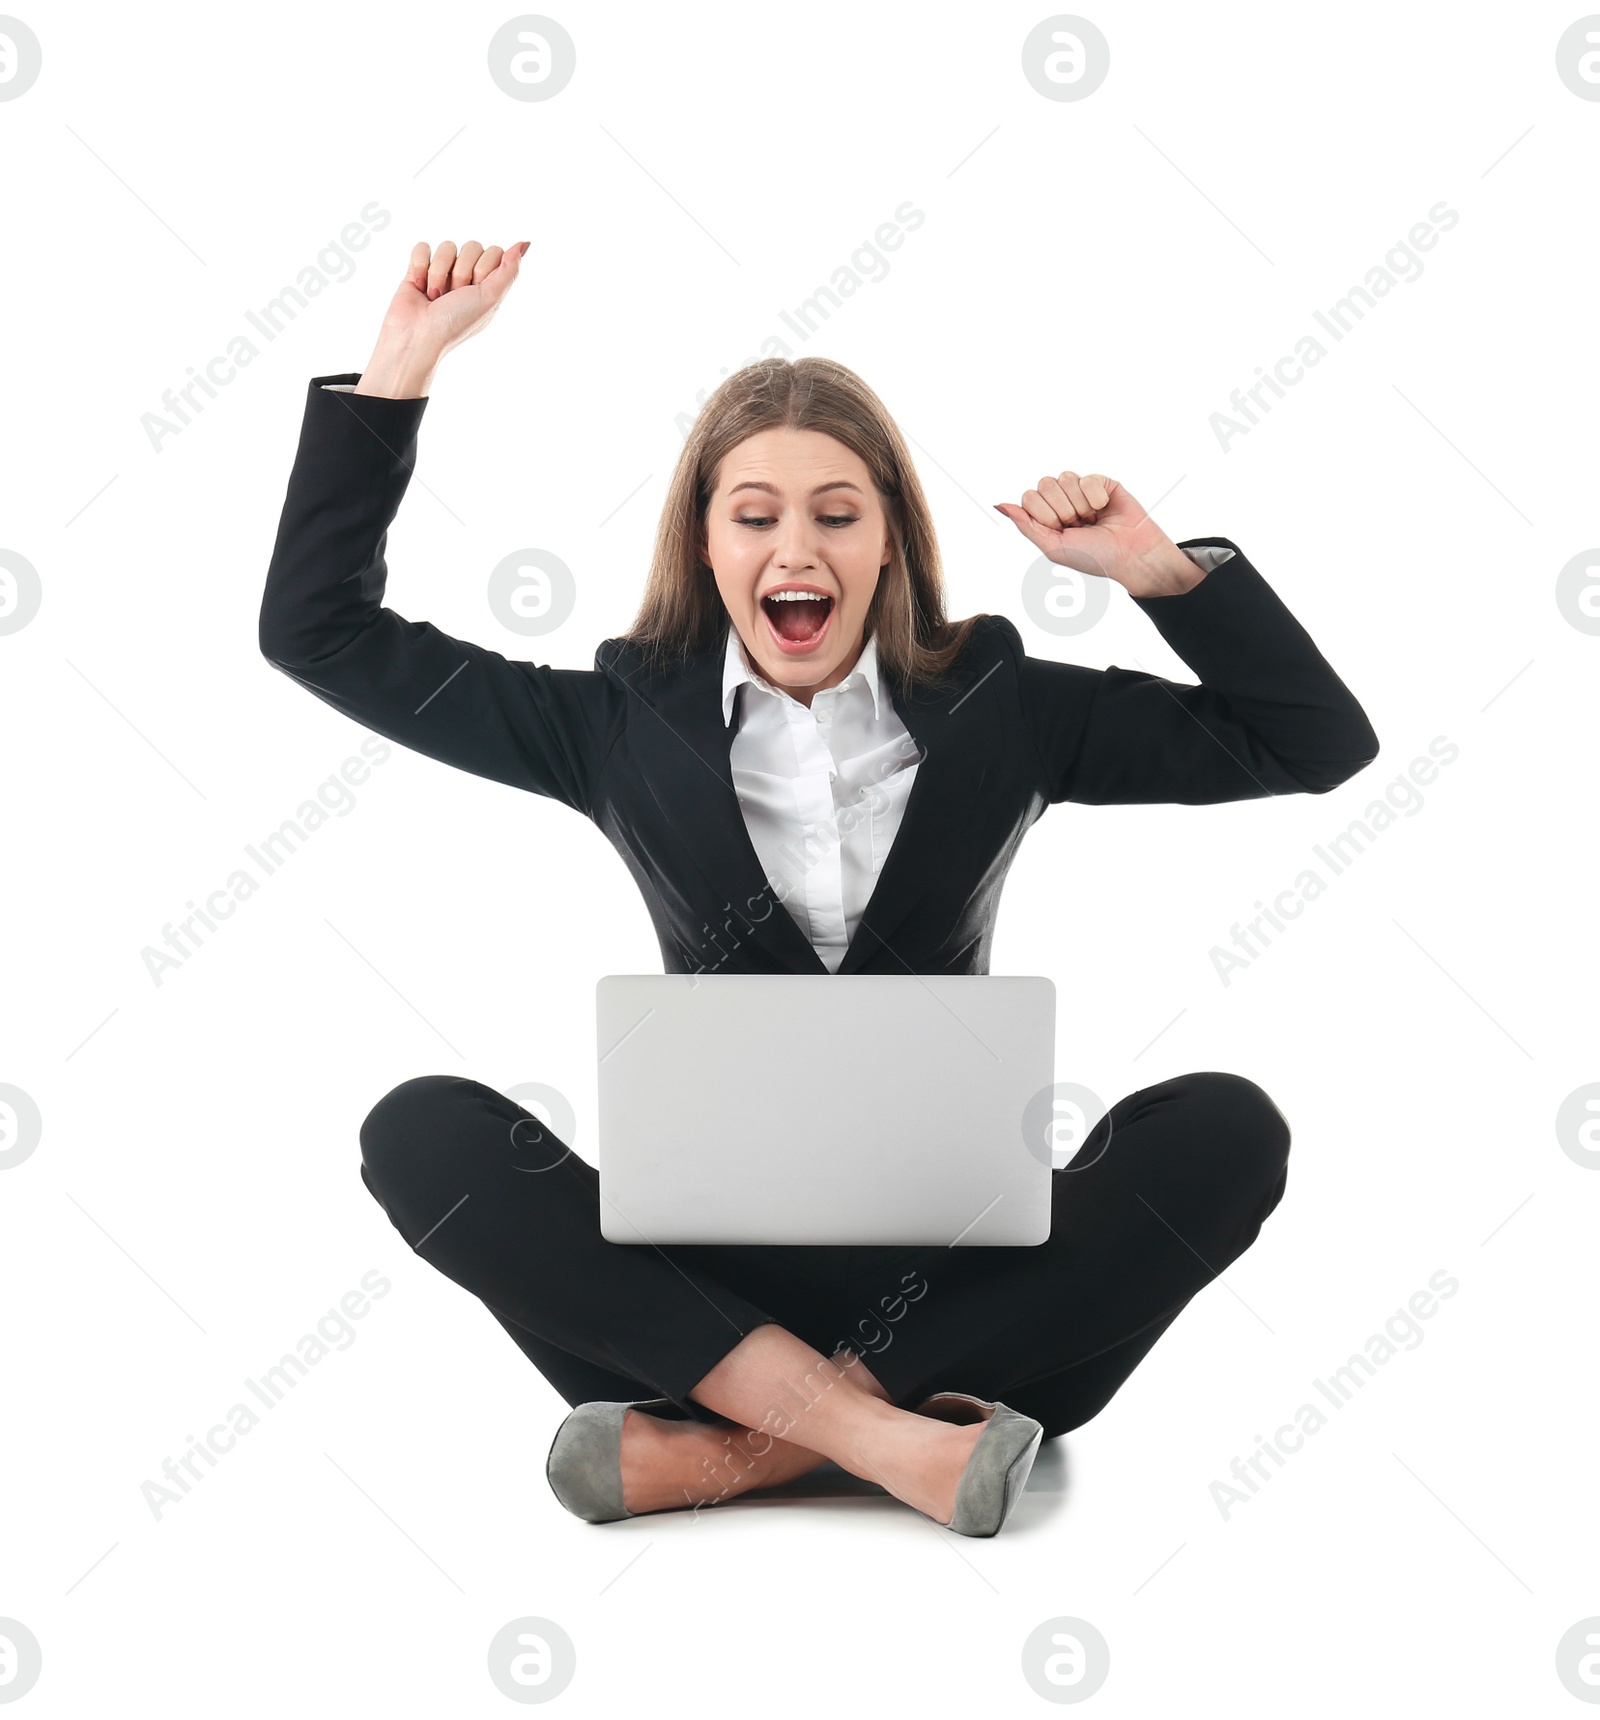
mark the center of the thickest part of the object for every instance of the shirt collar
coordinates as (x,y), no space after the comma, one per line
(735,671)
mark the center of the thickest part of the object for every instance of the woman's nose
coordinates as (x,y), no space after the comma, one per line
(796,549)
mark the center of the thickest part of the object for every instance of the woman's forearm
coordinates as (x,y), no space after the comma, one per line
(400,368)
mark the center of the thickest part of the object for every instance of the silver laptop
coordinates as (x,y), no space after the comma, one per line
(826,1109)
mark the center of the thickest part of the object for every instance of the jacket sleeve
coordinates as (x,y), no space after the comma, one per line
(1269,715)
(323,622)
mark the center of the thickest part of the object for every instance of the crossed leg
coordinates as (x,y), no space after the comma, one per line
(1169,1188)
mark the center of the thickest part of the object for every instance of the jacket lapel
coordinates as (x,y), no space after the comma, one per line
(943,769)
(685,752)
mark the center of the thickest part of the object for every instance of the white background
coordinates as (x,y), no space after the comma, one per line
(1092,280)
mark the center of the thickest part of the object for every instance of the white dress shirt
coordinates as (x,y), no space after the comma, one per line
(823,788)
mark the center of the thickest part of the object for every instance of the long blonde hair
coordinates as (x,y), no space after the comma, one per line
(682,611)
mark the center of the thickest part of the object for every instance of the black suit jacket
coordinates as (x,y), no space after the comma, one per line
(646,755)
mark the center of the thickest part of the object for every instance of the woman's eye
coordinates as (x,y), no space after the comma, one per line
(834,520)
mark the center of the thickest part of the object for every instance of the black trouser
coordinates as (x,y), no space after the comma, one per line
(1170,1187)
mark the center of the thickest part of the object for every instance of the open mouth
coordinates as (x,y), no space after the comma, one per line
(797,620)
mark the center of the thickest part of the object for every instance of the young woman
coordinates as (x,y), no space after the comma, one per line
(807,768)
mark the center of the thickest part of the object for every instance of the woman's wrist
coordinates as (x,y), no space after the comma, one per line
(1169,573)
(399,369)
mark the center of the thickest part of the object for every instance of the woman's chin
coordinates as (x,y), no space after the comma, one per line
(796,671)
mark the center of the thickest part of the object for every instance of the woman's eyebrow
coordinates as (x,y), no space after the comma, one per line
(772,490)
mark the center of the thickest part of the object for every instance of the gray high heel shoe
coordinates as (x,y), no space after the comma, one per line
(584,1467)
(997,1470)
